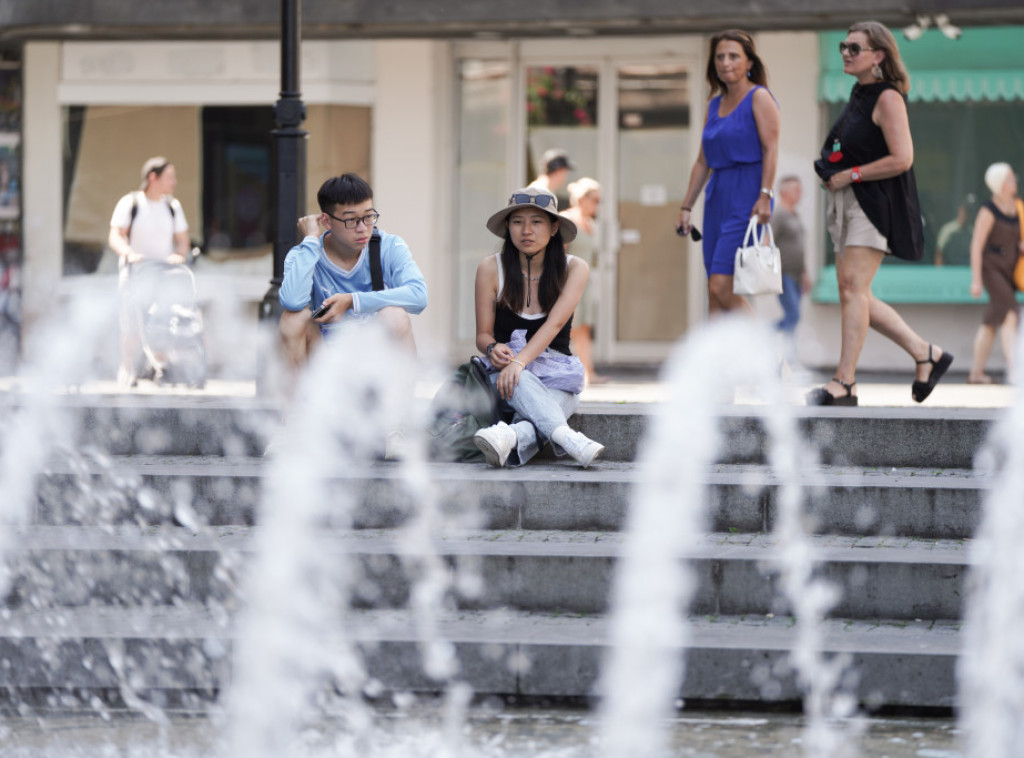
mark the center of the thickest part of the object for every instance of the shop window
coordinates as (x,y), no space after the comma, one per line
(10,208)
(237,166)
(965,114)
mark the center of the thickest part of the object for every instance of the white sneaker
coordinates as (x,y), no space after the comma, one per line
(396,446)
(583,449)
(496,443)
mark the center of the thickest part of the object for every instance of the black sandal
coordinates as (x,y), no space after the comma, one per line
(921,390)
(821,396)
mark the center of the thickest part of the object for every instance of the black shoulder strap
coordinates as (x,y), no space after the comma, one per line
(376,270)
(135,212)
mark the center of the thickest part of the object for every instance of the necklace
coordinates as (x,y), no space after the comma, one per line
(526,275)
(530,278)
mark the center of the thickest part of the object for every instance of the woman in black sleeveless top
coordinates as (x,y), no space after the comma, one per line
(525,299)
(995,246)
(866,166)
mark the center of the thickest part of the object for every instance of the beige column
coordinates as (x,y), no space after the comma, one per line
(411,160)
(42,182)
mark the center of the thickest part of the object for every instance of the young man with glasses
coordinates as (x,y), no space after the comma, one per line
(327,277)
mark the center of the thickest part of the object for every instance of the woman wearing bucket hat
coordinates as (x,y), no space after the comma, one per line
(525,298)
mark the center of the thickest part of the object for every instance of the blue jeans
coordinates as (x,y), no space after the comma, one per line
(790,302)
(537,412)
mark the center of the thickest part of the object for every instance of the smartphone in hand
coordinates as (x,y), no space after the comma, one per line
(321,310)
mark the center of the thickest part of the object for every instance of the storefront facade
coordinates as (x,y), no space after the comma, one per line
(444,128)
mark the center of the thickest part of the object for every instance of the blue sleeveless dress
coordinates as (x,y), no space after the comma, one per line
(732,150)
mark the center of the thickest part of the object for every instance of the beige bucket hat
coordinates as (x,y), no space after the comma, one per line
(532,197)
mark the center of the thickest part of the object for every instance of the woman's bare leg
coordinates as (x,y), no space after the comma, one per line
(721,298)
(983,340)
(855,269)
(1008,337)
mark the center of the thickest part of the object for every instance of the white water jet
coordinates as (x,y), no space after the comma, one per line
(990,670)
(59,354)
(296,636)
(648,632)
(833,728)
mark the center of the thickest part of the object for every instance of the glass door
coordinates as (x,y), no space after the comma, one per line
(649,268)
(620,109)
(628,127)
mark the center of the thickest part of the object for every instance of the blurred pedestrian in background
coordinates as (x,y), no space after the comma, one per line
(789,236)
(737,160)
(584,200)
(995,246)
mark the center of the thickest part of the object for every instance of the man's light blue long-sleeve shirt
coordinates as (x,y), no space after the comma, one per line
(310,277)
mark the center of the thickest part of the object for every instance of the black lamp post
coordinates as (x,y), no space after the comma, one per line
(288,193)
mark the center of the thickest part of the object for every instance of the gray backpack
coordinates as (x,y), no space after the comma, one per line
(463,405)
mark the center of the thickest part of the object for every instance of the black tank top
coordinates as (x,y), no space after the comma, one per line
(506,322)
(1005,233)
(890,204)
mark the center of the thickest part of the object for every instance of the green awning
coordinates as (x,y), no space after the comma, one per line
(942,69)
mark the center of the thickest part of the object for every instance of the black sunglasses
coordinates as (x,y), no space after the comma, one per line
(854,48)
(542,200)
(695,234)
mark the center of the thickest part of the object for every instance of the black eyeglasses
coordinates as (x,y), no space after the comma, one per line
(853,48)
(352,223)
(542,200)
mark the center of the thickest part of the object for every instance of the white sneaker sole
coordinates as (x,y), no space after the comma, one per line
(591,456)
(491,455)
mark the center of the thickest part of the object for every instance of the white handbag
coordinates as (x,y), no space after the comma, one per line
(758,268)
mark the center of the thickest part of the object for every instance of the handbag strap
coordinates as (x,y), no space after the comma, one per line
(752,238)
(1020,216)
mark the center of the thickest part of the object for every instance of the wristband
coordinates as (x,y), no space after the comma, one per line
(490,347)
(769,192)
(519,362)
(685,208)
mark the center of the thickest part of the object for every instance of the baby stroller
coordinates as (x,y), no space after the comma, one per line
(169,322)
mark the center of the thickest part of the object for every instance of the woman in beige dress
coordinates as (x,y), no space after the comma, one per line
(584,199)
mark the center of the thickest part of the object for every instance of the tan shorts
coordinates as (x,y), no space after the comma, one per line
(849,226)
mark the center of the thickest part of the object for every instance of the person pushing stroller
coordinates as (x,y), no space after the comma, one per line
(147,225)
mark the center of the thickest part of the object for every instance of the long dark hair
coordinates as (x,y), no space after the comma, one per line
(552,277)
(758,73)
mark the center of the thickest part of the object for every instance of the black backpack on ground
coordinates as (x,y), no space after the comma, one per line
(463,405)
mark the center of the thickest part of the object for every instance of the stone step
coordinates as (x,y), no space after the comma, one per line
(931,502)
(729,658)
(554,571)
(869,436)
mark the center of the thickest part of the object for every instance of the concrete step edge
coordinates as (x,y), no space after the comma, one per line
(824,549)
(548,473)
(928,637)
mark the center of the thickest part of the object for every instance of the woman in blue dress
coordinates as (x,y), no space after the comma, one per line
(738,158)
